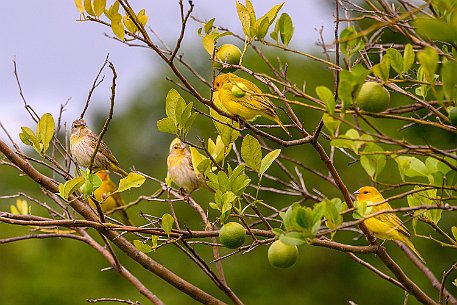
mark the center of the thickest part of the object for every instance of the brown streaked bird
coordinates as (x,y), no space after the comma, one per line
(387,225)
(82,145)
(181,169)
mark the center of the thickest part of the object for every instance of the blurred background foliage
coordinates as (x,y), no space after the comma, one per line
(67,272)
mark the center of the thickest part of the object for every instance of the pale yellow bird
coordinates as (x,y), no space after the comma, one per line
(244,99)
(386,225)
(181,169)
(82,145)
(108,199)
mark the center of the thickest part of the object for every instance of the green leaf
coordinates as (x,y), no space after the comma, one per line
(142,246)
(244,17)
(223,181)
(66,189)
(373,163)
(286,28)
(132,180)
(209,26)
(227,133)
(263,23)
(209,42)
(408,57)
(362,209)
(293,238)
(330,123)
(167,125)
(349,43)
(99,7)
(449,79)
(350,83)
(45,130)
(252,18)
(268,160)
(290,217)
(27,137)
(411,167)
(396,60)
(425,197)
(435,29)
(251,152)
(91,183)
(454,232)
(167,223)
(326,95)
(382,69)
(174,105)
(428,59)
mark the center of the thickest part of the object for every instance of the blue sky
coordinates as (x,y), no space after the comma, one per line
(58,57)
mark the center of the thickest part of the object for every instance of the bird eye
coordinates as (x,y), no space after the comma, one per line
(366,192)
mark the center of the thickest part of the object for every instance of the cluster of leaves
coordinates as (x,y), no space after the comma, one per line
(253,28)
(40,139)
(119,23)
(300,224)
(180,115)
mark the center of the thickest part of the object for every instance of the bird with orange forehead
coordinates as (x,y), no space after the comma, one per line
(385,225)
(108,199)
(181,169)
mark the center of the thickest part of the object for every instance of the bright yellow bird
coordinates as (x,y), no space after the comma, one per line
(244,99)
(387,225)
(181,169)
(109,202)
(82,145)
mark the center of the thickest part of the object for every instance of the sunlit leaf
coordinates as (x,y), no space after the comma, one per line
(167,223)
(251,152)
(268,160)
(131,181)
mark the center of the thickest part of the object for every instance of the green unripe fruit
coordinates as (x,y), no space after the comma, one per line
(373,97)
(228,53)
(282,255)
(452,115)
(232,235)
(239,90)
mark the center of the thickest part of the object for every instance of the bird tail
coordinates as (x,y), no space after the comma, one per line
(118,170)
(277,120)
(410,245)
(124,218)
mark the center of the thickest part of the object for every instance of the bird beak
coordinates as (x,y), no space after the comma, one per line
(183,145)
(356,193)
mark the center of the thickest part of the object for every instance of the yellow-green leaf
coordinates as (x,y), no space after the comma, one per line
(268,160)
(142,246)
(117,26)
(79,6)
(99,7)
(88,7)
(70,186)
(243,14)
(45,130)
(251,152)
(167,223)
(132,180)
(142,17)
(129,24)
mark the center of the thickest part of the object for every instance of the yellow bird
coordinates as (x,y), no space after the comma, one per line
(181,169)
(108,201)
(387,225)
(244,99)
(82,145)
